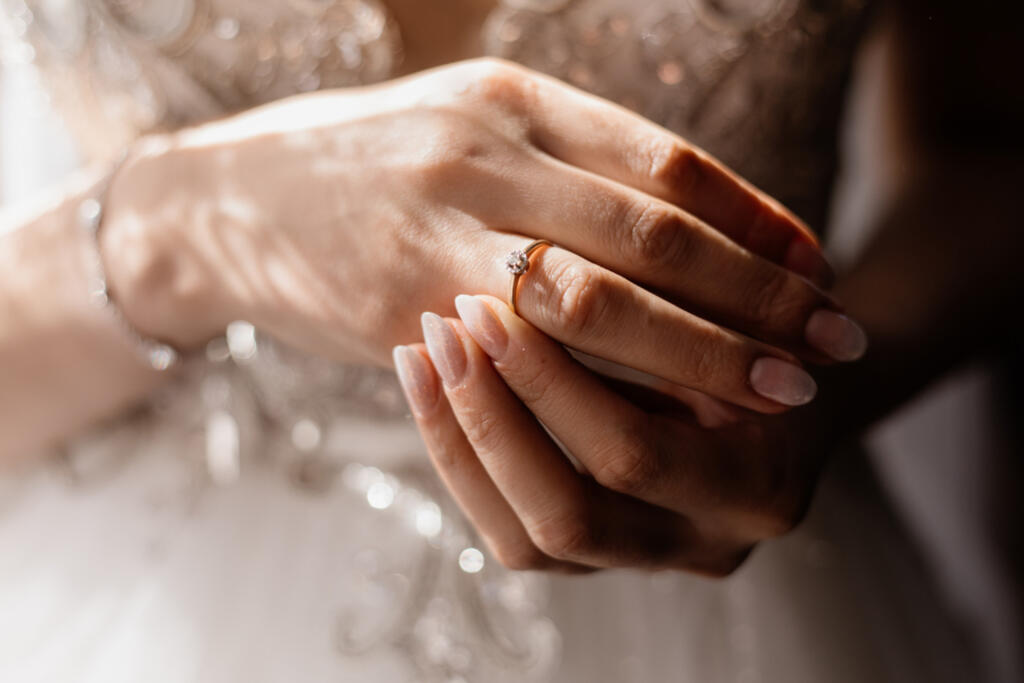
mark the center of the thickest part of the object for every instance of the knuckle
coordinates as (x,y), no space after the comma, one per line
(581,298)
(483,68)
(708,362)
(447,457)
(765,296)
(675,165)
(533,383)
(657,235)
(483,429)
(780,300)
(496,81)
(520,556)
(564,537)
(631,467)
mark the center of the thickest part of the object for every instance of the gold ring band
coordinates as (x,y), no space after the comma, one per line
(517,263)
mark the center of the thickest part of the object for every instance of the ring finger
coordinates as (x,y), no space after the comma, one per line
(594,310)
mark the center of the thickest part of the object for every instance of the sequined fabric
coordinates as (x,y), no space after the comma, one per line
(126,67)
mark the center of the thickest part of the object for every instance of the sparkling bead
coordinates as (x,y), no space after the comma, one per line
(227,28)
(161,357)
(241,338)
(428,520)
(380,495)
(89,213)
(223,452)
(471,561)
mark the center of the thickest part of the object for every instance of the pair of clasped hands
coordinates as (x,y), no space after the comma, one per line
(332,220)
(666,263)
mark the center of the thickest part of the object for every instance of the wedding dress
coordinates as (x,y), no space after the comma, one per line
(273,516)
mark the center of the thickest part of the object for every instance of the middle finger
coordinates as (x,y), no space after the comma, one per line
(681,257)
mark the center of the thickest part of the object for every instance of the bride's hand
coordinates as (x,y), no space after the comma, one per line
(662,483)
(331,220)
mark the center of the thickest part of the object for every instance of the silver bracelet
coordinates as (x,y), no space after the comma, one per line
(156,354)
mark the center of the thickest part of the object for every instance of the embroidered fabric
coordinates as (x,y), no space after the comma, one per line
(287,498)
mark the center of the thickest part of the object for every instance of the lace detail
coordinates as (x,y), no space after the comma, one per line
(127,67)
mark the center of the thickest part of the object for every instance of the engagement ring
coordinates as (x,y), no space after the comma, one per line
(517,263)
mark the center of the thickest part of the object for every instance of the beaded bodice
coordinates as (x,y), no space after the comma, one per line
(758,83)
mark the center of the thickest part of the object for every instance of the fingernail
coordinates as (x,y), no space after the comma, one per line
(444,347)
(836,335)
(486,328)
(416,378)
(806,259)
(782,381)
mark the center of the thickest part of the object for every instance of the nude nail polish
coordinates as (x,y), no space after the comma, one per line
(417,379)
(836,335)
(782,381)
(481,322)
(444,347)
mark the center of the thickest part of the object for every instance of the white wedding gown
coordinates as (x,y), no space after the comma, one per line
(274,518)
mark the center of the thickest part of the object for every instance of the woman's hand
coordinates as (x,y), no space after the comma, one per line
(331,220)
(660,484)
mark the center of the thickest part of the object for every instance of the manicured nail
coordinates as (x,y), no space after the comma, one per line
(806,259)
(417,379)
(444,347)
(782,381)
(836,335)
(486,328)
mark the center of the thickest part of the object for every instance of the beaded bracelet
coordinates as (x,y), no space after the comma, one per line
(156,354)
